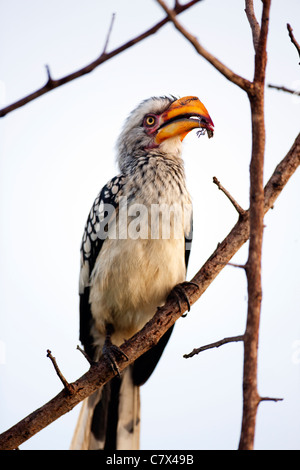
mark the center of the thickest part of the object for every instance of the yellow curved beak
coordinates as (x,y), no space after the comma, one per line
(181,117)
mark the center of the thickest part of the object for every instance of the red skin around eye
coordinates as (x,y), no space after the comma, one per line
(150,130)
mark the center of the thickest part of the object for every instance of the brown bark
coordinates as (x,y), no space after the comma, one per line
(251,397)
(255,91)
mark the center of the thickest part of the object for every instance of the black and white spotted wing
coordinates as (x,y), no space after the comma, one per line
(91,245)
(90,248)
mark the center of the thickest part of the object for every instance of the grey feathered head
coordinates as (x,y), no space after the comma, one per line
(158,125)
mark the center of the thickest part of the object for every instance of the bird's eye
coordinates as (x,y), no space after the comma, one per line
(149,121)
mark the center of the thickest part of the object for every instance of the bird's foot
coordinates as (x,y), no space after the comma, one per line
(111,351)
(180,294)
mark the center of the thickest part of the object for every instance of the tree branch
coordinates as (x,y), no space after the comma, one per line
(293,39)
(255,27)
(90,361)
(64,381)
(283,88)
(101,372)
(51,84)
(108,34)
(270,399)
(223,69)
(261,51)
(235,204)
(256,214)
(216,344)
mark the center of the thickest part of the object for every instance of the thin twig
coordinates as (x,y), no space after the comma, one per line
(270,399)
(283,88)
(48,74)
(87,357)
(241,266)
(235,204)
(293,39)
(297,45)
(254,24)
(217,344)
(103,57)
(108,34)
(223,69)
(69,387)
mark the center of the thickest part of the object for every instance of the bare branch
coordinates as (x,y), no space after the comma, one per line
(103,57)
(270,399)
(65,383)
(223,69)
(255,27)
(282,173)
(48,74)
(101,372)
(239,209)
(240,266)
(261,50)
(217,344)
(283,88)
(108,34)
(87,357)
(256,213)
(293,39)
(297,45)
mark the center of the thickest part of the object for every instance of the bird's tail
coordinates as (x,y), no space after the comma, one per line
(110,418)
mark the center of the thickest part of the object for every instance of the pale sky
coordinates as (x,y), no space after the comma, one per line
(56,154)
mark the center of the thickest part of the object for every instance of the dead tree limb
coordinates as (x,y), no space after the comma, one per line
(297,46)
(254,24)
(235,204)
(101,372)
(285,89)
(251,396)
(216,344)
(64,381)
(52,83)
(293,39)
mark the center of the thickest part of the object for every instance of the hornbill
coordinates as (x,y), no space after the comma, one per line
(133,253)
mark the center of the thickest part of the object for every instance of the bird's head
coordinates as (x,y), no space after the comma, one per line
(158,125)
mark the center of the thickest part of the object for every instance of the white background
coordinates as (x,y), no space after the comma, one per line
(56,154)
